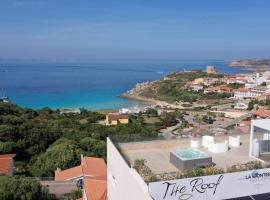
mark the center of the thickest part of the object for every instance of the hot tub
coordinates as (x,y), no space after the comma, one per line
(190,158)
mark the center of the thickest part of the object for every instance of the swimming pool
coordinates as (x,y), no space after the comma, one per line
(187,154)
(190,158)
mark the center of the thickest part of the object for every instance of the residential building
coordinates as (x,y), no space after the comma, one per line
(210,81)
(7,164)
(266,74)
(90,167)
(241,106)
(264,97)
(91,175)
(267,80)
(157,174)
(219,89)
(70,111)
(199,81)
(261,114)
(250,80)
(251,85)
(260,140)
(94,189)
(193,86)
(243,93)
(241,79)
(116,118)
(135,109)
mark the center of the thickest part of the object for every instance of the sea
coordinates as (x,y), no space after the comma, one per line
(94,85)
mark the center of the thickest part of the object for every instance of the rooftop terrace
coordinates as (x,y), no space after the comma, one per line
(157,153)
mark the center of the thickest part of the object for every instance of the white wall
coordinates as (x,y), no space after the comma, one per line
(124,183)
(215,187)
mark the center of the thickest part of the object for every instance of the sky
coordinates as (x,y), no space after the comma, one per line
(85,30)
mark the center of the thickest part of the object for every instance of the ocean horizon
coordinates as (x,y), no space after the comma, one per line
(94,86)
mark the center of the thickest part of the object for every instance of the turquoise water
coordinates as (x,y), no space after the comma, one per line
(191,154)
(93,86)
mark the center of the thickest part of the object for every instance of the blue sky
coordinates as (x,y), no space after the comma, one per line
(84,30)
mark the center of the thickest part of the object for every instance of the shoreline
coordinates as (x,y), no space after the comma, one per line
(150,102)
(139,99)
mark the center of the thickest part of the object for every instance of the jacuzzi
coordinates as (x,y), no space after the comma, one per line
(190,158)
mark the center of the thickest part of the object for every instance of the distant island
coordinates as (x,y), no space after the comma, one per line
(251,64)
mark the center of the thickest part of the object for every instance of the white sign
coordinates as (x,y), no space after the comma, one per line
(216,187)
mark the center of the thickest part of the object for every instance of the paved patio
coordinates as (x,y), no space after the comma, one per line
(157,153)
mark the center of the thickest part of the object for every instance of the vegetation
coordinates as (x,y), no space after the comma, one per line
(184,124)
(169,119)
(144,170)
(74,195)
(209,118)
(264,84)
(254,103)
(236,85)
(20,188)
(45,139)
(170,88)
(149,176)
(151,112)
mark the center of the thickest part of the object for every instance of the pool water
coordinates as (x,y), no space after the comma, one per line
(191,154)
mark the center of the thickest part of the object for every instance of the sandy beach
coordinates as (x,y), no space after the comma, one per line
(151,102)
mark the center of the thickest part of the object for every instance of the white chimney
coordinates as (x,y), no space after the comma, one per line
(82,159)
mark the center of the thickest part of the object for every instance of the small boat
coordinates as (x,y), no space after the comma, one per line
(4,98)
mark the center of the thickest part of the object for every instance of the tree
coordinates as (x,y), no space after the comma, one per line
(236,85)
(264,84)
(45,139)
(199,119)
(21,188)
(151,112)
(7,147)
(208,119)
(60,155)
(76,194)
(252,104)
(93,147)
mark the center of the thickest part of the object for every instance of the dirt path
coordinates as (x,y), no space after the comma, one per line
(167,133)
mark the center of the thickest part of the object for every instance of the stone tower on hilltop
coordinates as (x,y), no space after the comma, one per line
(211,69)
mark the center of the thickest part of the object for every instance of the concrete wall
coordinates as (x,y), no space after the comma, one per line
(124,183)
(123,121)
(59,187)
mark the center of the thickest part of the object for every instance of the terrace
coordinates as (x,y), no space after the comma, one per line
(154,168)
(156,153)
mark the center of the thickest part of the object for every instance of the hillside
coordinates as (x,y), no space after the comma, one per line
(45,139)
(171,88)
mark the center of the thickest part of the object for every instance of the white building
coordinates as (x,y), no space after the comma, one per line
(134,109)
(260,139)
(241,106)
(251,85)
(245,93)
(194,86)
(125,183)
